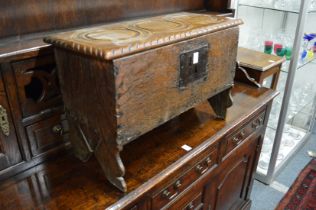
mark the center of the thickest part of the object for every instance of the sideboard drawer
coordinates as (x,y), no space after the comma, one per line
(206,162)
(37,84)
(238,137)
(190,201)
(46,134)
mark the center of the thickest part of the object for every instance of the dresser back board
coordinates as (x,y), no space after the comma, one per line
(20,17)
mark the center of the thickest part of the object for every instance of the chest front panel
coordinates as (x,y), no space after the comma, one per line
(150,87)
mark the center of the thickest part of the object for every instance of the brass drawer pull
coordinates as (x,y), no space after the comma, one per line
(256,124)
(237,140)
(4,123)
(208,161)
(58,129)
(200,169)
(190,206)
(178,184)
(166,194)
(242,134)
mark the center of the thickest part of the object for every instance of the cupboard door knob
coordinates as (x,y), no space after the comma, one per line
(58,129)
(4,122)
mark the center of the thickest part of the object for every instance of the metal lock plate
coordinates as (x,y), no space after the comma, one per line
(193,65)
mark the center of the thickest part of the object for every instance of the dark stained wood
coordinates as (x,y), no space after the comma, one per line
(37,84)
(65,183)
(10,153)
(23,17)
(113,102)
(22,49)
(232,181)
(20,124)
(47,134)
(22,27)
(220,103)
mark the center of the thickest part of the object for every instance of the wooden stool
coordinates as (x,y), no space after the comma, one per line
(258,66)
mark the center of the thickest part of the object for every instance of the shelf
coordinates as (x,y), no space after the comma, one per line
(292,138)
(306,63)
(300,65)
(273,8)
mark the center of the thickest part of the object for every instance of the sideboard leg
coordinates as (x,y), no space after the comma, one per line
(108,156)
(221,102)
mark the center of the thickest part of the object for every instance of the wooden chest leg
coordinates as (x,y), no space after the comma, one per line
(80,149)
(109,158)
(221,102)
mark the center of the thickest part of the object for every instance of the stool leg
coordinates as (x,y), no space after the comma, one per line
(221,102)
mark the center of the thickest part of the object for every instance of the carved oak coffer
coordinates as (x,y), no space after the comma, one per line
(121,80)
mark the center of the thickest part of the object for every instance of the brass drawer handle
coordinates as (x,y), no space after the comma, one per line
(257,123)
(237,140)
(58,129)
(166,194)
(242,134)
(190,206)
(200,169)
(178,184)
(4,122)
(208,161)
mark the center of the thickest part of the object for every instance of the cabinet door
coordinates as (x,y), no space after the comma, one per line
(9,149)
(235,176)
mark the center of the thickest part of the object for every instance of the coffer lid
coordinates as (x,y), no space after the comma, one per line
(123,38)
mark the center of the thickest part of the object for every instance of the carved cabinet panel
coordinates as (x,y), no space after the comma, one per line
(230,186)
(47,134)
(37,84)
(9,150)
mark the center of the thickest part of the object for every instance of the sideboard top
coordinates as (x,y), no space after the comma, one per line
(66,183)
(116,40)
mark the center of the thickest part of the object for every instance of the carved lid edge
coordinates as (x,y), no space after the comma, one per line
(139,47)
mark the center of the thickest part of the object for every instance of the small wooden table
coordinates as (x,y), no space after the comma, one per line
(259,66)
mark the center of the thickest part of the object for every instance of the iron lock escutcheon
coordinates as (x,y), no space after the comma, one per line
(193,65)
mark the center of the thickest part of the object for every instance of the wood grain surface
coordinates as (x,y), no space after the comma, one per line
(21,17)
(148,93)
(65,183)
(120,39)
(257,60)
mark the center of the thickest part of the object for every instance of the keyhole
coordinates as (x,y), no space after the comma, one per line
(195,69)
